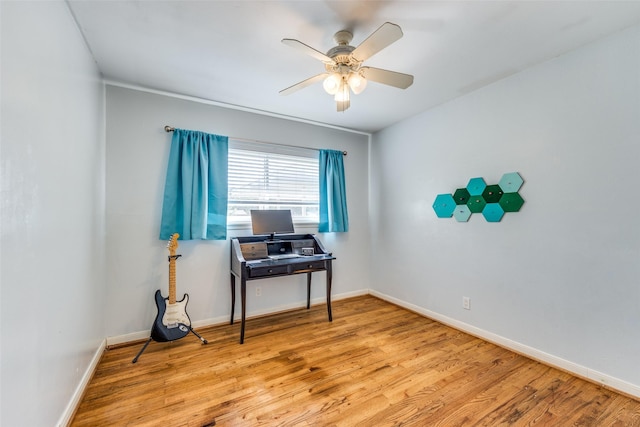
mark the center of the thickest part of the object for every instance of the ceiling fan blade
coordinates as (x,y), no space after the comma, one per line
(307,49)
(303,84)
(387,77)
(378,40)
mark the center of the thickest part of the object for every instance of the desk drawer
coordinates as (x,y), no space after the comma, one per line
(268,270)
(311,265)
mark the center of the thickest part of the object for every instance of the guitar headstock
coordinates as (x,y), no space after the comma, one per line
(173,244)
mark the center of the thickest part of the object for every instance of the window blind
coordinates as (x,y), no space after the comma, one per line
(269,176)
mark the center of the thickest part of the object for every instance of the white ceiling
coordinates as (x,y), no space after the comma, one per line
(231,52)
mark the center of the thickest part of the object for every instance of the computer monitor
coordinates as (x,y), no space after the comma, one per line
(271,222)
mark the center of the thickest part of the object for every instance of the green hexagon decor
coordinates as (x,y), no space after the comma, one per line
(444,205)
(492,193)
(511,202)
(461,196)
(493,201)
(476,204)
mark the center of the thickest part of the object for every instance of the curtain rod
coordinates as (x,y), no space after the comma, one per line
(171,129)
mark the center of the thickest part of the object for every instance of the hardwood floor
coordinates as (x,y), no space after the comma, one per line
(375,365)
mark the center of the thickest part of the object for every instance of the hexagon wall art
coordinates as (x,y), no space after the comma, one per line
(511,202)
(461,196)
(476,204)
(462,213)
(444,205)
(493,212)
(492,201)
(511,182)
(476,186)
(492,193)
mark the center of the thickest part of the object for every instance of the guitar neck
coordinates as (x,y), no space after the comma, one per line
(172,279)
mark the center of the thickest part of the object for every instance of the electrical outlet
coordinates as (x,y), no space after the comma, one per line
(258,291)
(466,303)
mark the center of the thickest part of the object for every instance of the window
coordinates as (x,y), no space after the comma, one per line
(269,176)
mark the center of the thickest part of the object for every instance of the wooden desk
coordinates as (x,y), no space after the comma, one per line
(257,257)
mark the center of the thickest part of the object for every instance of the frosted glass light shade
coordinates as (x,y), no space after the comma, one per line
(332,83)
(357,83)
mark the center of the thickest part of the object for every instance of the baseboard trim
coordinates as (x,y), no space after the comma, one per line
(584,372)
(72,406)
(221,320)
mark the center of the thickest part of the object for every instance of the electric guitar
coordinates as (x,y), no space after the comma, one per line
(172,321)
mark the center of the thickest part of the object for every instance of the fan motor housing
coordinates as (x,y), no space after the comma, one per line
(341,54)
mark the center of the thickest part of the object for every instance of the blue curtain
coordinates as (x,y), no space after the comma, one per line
(195,190)
(333,196)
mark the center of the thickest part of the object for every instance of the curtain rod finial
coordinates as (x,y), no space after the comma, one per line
(169,129)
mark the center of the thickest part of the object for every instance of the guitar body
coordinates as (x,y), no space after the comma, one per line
(172,321)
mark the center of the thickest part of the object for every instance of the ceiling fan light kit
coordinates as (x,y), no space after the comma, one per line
(343,65)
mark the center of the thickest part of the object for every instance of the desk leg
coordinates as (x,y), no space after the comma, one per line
(233,296)
(243,295)
(329,290)
(308,290)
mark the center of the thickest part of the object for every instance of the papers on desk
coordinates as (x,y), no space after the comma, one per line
(283,256)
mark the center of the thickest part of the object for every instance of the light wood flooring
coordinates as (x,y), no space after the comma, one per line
(375,365)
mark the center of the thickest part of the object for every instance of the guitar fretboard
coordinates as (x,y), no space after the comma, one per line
(172,278)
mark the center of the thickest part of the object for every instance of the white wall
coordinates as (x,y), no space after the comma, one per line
(52,204)
(561,276)
(137,156)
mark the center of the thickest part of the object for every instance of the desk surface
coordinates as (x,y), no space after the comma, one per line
(288,260)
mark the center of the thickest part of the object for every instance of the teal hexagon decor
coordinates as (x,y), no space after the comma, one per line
(511,202)
(493,212)
(461,196)
(511,182)
(476,186)
(493,201)
(444,205)
(462,213)
(476,204)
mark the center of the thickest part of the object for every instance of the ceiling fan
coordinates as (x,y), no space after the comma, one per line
(343,65)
